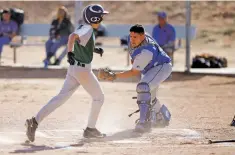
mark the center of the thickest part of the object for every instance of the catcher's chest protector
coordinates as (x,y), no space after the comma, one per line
(159,56)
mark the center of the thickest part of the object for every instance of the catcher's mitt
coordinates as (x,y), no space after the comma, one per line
(106,74)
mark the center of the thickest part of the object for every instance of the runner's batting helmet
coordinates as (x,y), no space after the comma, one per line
(93,14)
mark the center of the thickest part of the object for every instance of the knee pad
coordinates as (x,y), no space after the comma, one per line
(143,93)
(143,101)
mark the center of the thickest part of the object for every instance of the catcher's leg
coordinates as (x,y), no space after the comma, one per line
(155,106)
(90,83)
(160,115)
(143,101)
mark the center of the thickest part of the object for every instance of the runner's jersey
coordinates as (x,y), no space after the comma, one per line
(84,47)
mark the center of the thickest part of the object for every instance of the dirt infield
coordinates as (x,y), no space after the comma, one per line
(201,106)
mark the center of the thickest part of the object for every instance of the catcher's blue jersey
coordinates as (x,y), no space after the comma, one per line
(159,56)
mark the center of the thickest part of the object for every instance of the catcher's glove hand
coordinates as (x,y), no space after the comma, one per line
(106,74)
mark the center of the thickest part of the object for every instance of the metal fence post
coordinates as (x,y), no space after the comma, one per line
(14,54)
(188,35)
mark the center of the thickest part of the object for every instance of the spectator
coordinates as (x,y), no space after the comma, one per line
(164,34)
(8,29)
(60,29)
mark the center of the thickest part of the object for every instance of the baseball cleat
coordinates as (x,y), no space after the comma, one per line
(31,126)
(142,127)
(93,133)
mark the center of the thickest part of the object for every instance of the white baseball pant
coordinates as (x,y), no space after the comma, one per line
(76,76)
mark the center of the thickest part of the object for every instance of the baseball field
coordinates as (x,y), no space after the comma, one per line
(202,107)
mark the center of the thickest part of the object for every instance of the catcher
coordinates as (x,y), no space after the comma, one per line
(155,66)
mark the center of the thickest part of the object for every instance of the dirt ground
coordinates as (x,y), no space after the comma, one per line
(201,106)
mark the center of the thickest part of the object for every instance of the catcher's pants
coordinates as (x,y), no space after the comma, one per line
(76,76)
(154,77)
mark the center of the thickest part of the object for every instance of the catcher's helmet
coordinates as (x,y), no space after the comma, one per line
(93,14)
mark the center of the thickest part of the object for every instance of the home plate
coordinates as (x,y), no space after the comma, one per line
(131,142)
(4,140)
(180,133)
(43,135)
(226,144)
(69,145)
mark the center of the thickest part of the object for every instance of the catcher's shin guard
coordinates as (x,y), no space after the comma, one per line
(144,110)
(143,101)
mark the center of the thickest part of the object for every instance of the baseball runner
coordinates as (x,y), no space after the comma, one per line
(155,66)
(80,54)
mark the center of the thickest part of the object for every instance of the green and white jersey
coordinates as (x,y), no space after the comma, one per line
(83,49)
